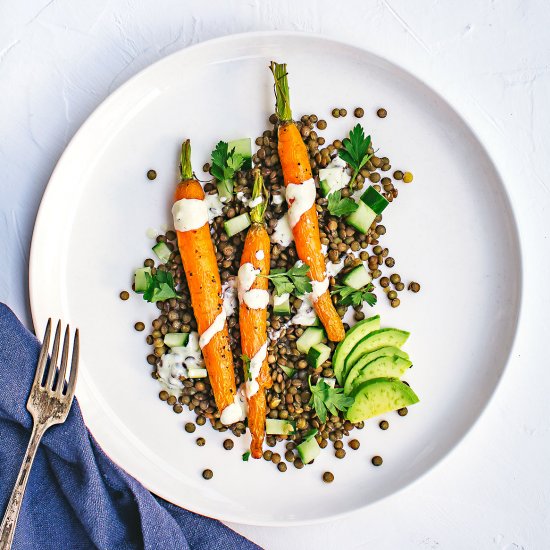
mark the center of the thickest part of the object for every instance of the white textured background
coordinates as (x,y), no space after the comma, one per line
(491,58)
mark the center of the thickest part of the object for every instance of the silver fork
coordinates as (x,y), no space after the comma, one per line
(49,403)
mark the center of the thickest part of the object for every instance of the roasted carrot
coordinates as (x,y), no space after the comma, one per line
(203,278)
(253,299)
(297,170)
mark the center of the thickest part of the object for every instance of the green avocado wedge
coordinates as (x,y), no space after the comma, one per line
(381,352)
(387,366)
(379,396)
(353,336)
(374,340)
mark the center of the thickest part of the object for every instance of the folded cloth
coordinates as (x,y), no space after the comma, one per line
(76,497)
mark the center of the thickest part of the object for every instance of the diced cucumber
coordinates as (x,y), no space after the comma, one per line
(176,339)
(362,218)
(310,337)
(237,224)
(281,304)
(375,340)
(194,372)
(382,367)
(140,279)
(378,396)
(354,334)
(288,371)
(357,278)
(274,426)
(308,450)
(318,354)
(162,251)
(374,200)
(325,187)
(242,147)
(225,190)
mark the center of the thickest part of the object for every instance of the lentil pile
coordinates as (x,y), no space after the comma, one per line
(289,397)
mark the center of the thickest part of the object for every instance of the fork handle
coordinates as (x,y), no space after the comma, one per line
(7,528)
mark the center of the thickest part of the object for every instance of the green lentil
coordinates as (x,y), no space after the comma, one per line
(384,425)
(414,287)
(377,460)
(124,295)
(201,442)
(164,395)
(407,177)
(151,174)
(336,113)
(403,412)
(395,302)
(207,474)
(343,112)
(354,444)
(228,444)
(190,427)
(359,112)
(281,467)
(322,124)
(398,175)
(139,326)
(340,453)
(384,282)
(382,113)
(328,477)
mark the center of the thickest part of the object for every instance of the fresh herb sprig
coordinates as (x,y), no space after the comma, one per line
(355,151)
(352,297)
(326,398)
(246,367)
(295,280)
(339,206)
(225,164)
(160,286)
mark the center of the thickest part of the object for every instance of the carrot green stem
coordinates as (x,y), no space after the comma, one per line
(259,190)
(282,93)
(186,171)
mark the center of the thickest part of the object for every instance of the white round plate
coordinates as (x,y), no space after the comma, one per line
(452,230)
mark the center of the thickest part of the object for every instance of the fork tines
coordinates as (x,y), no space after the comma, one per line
(49,375)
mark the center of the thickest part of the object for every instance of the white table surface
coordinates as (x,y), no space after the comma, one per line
(60,58)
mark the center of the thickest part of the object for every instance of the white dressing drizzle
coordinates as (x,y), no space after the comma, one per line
(213,329)
(300,198)
(189,214)
(255,366)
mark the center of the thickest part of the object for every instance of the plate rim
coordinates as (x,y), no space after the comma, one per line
(460,112)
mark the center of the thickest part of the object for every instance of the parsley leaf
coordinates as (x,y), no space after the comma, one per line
(355,150)
(294,280)
(225,162)
(246,456)
(352,297)
(246,367)
(339,206)
(160,286)
(326,398)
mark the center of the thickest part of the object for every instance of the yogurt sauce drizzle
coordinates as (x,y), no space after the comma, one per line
(213,329)
(255,366)
(189,214)
(236,412)
(300,198)
(282,234)
(254,298)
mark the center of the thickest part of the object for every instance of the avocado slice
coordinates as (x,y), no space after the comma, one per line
(373,341)
(382,367)
(378,396)
(353,336)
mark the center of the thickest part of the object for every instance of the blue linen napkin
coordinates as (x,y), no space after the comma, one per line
(76,497)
